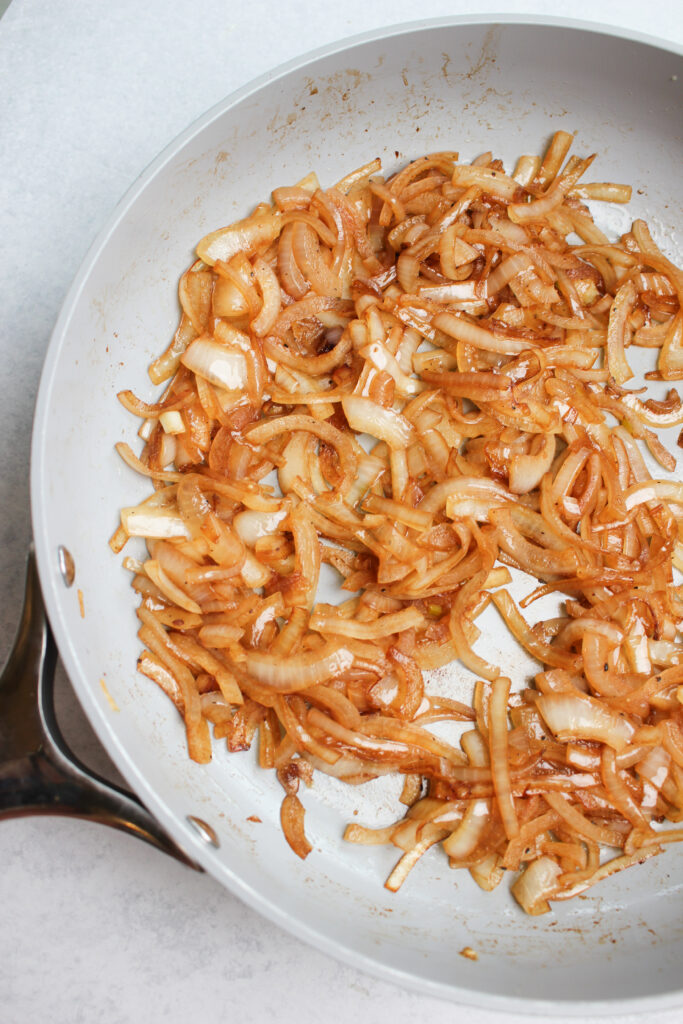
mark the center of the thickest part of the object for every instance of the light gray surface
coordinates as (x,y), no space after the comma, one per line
(95,927)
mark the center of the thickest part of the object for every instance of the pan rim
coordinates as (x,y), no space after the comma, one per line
(52,586)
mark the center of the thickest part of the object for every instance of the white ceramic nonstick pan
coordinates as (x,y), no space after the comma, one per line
(465,86)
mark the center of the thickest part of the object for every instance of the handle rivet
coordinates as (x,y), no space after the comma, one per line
(67,566)
(205,831)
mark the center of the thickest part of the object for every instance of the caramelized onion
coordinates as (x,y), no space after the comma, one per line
(292,821)
(412,383)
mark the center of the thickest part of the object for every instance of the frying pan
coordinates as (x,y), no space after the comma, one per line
(462,85)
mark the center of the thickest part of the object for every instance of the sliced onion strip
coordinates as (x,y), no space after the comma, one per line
(299,671)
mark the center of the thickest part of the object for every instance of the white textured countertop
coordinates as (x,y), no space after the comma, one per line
(95,927)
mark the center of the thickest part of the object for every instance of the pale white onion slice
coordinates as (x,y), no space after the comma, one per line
(367,417)
(172,422)
(298,671)
(272,301)
(464,839)
(506,270)
(537,883)
(246,235)
(378,355)
(469,496)
(496,183)
(527,471)
(169,588)
(488,872)
(216,363)
(253,572)
(161,523)
(623,303)
(654,490)
(580,717)
(250,526)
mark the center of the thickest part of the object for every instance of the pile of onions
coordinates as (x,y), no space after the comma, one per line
(421,383)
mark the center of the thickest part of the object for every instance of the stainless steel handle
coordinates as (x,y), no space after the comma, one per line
(39,773)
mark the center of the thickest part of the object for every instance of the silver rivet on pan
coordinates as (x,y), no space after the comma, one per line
(67,566)
(204,830)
